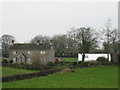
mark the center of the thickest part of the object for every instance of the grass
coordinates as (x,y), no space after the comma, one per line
(7,71)
(0,71)
(69,59)
(95,77)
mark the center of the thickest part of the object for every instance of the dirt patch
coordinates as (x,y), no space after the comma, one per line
(66,70)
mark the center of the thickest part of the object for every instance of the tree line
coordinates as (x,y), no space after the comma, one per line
(77,40)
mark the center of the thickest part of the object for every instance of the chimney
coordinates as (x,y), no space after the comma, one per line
(38,42)
(41,41)
(51,42)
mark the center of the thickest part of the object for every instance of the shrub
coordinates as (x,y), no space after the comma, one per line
(93,63)
(57,61)
(83,64)
(4,61)
(79,62)
(29,75)
(102,59)
(21,63)
(11,61)
(50,63)
(74,63)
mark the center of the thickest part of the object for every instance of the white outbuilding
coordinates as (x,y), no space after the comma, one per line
(93,57)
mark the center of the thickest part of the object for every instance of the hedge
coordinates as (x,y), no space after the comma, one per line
(28,75)
(28,66)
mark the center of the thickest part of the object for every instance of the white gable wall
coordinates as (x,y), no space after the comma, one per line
(92,57)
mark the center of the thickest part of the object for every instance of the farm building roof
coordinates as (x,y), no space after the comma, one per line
(30,46)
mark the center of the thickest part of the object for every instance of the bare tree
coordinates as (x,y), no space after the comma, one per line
(6,41)
(42,39)
(112,46)
(59,43)
(63,44)
(107,32)
(84,38)
(110,40)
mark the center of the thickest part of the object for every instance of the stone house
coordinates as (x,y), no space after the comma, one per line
(32,53)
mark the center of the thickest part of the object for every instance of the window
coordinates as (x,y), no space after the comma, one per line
(41,59)
(44,59)
(42,52)
(14,52)
(29,52)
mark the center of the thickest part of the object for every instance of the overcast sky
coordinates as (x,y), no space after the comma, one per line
(26,20)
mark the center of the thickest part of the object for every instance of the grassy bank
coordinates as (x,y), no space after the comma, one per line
(96,77)
(7,71)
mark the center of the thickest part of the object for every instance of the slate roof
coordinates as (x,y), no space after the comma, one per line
(29,46)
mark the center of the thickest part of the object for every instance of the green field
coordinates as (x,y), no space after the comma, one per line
(95,77)
(7,71)
(0,71)
(69,59)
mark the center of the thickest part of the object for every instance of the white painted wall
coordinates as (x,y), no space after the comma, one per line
(92,57)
